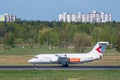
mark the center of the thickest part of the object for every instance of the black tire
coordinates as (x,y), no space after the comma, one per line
(65,65)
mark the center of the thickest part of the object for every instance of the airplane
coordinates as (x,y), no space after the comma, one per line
(71,58)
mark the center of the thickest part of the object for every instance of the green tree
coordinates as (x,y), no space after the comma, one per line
(54,38)
(45,36)
(118,39)
(9,39)
(63,36)
(49,37)
(81,40)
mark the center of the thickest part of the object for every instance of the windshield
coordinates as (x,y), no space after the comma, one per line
(36,57)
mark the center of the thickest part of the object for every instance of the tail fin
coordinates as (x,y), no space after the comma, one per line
(99,48)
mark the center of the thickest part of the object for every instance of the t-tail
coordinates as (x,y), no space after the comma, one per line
(99,48)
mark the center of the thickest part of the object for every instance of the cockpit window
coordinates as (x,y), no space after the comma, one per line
(36,57)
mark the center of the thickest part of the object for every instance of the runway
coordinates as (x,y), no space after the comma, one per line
(60,68)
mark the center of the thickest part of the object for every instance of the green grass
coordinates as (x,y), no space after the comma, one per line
(34,51)
(60,75)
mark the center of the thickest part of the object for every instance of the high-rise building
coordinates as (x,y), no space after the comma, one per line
(69,18)
(61,17)
(7,18)
(83,18)
(74,18)
(94,16)
(2,18)
(79,17)
(65,17)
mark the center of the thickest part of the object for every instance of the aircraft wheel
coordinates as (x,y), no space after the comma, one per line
(34,66)
(65,65)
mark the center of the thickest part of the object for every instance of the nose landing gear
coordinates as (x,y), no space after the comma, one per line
(34,67)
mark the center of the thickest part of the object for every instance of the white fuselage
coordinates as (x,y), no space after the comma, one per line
(72,58)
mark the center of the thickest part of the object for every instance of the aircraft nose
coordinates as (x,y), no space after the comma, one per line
(30,61)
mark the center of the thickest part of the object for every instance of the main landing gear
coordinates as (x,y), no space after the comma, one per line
(64,64)
(34,67)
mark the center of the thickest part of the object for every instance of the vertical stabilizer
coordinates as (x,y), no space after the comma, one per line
(99,48)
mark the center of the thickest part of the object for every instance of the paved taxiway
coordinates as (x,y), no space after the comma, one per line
(60,68)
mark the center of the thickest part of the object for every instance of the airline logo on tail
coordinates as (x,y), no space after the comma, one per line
(99,49)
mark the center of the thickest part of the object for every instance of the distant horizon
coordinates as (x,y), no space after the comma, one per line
(48,10)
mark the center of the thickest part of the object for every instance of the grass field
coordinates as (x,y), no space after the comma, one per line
(60,75)
(34,51)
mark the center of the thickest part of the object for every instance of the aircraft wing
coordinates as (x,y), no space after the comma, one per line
(62,59)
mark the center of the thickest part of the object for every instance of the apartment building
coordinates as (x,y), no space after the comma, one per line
(92,17)
(7,18)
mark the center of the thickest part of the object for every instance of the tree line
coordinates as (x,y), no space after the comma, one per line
(58,34)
